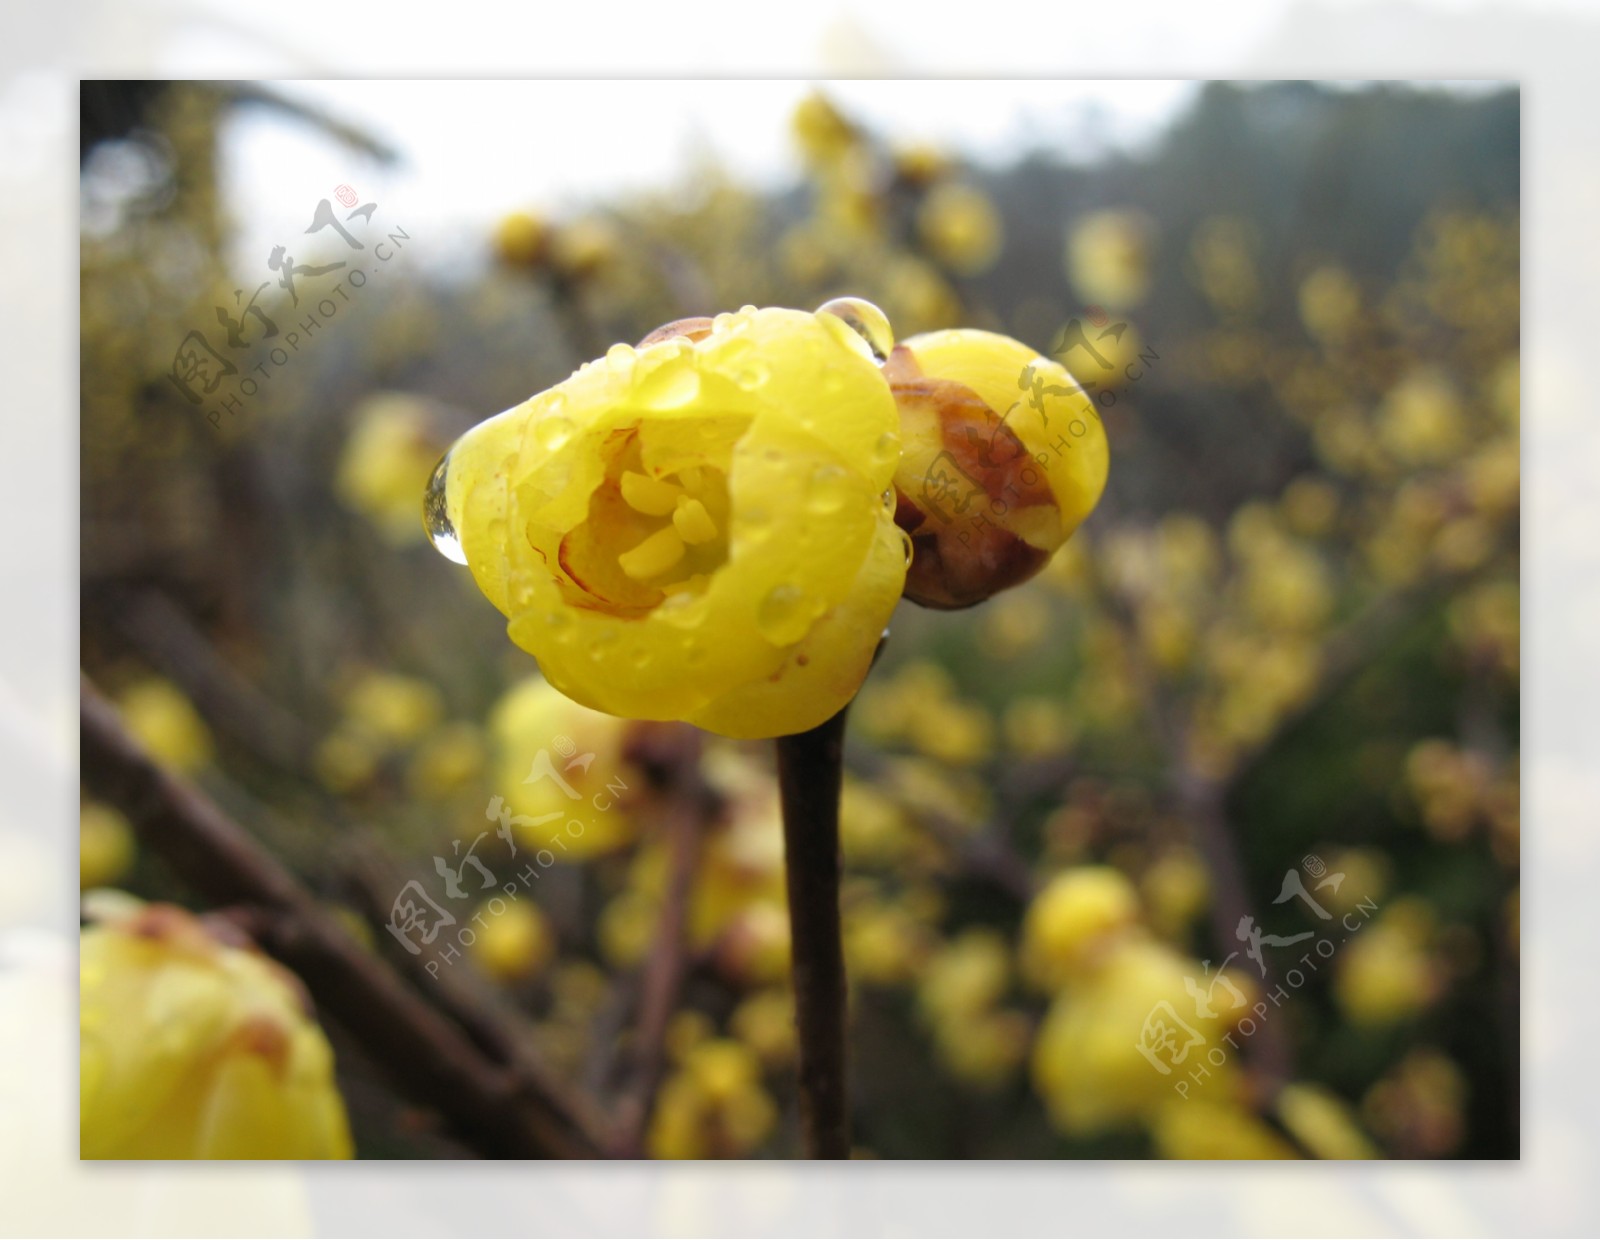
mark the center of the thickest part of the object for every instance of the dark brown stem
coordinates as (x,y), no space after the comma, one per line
(810,774)
(504,1110)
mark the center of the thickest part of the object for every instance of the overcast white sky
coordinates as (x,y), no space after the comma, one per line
(474,150)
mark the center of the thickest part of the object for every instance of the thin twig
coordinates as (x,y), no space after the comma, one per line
(499,1110)
(810,774)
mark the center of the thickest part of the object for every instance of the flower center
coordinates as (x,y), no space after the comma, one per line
(651,533)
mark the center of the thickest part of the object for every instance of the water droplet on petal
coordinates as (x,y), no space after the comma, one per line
(436,516)
(751,375)
(552,432)
(828,490)
(890,501)
(905,541)
(670,386)
(861,325)
(887,448)
(783,616)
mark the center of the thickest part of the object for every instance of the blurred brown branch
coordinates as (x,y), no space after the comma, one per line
(499,1108)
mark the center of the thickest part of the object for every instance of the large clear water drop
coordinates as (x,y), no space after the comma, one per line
(861,325)
(436,515)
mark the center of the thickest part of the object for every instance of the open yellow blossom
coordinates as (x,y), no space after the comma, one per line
(694,529)
(1003,457)
(194,1049)
(565,776)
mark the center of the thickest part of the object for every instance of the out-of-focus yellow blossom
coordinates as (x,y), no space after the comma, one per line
(920,163)
(983,1049)
(449,759)
(1200,1128)
(1176,890)
(1223,251)
(1388,973)
(562,771)
(514,944)
(884,943)
(821,131)
(990,430)
(1017,623)
(1419,1109)
(1087,1063)
(386,461)
(1329,303)
(1036,727)
(1108,258)
(1487,620)
(1421,421)
(966,976)
(918,295)
(627,928)
(521,239)
(161,719)
(346,759)
(392,708)
(692,530)
(1118,356)
(765,1023)
(1323,1123)
(1494,477)
(1310,506)
(1288,588)
(714,1106)
(1505,391)
(193,1049)
(1367,874)
(1079,917)
(961,228)
(105,845)
(1449,786)
(584,247)
(873,830)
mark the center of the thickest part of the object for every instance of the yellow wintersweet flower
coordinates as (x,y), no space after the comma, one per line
(105,845)
(392,708)
(714,1106)
(1198,1128)
(563,773)
(694,529)
(1074,922)
(163,721)
(1003,456)
(194,1049)
(515,944)
(386,459)
(1108,258)
(961,228)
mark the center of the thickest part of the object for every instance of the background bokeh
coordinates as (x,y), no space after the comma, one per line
(1287,641)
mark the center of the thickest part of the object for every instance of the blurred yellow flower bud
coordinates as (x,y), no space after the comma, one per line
(386,461)
(1003,456)
(514,944)
(521,239)
(161,719)
(1199,1128)
(1329,303)
(693,530)
(562,772)
(1074,922)
(714,1106)
(1108,258)
(1089,1063)
(585,247)
(821,130)
(105,845)
(392,708)
(961,228)
(194,1049)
